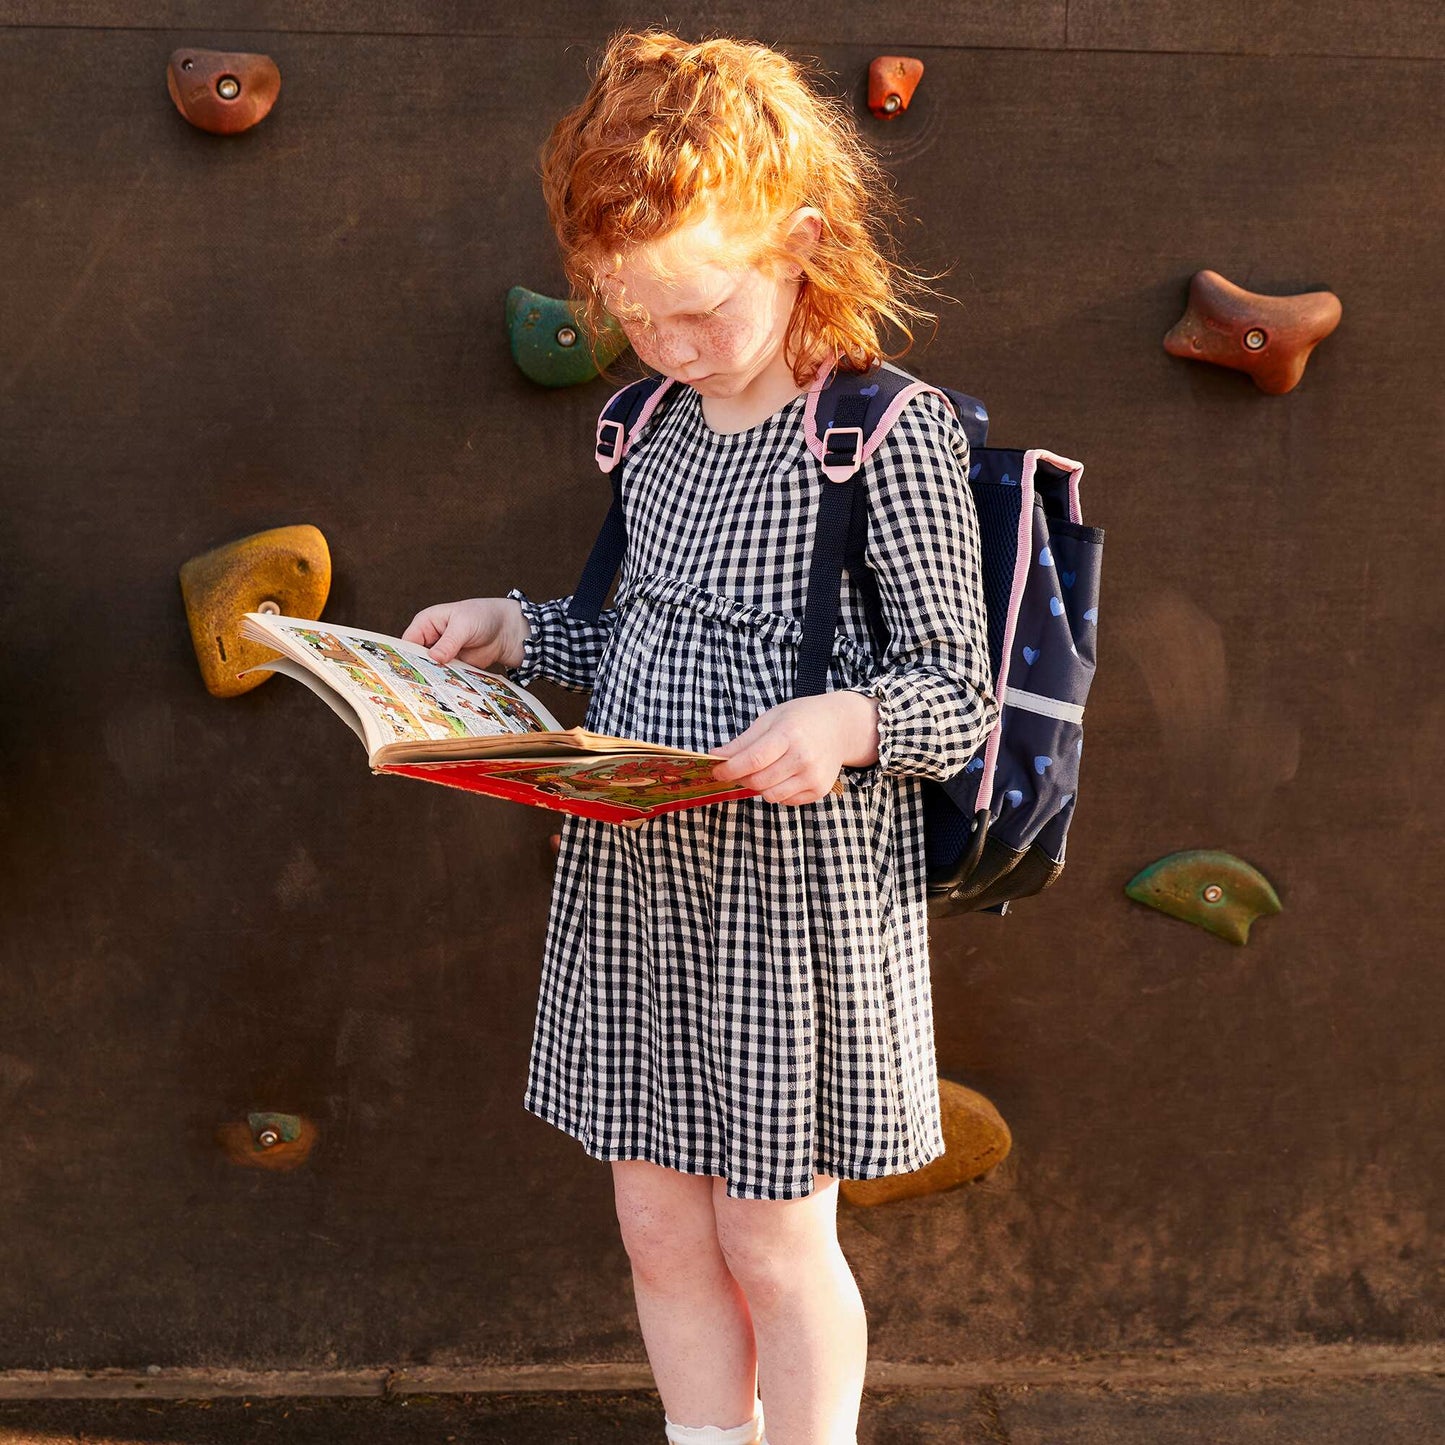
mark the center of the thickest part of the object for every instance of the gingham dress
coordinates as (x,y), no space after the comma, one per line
(742,989)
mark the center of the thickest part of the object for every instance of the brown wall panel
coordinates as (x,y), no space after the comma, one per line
(210,906)
(1394,28)
(990,22)
(1397,29)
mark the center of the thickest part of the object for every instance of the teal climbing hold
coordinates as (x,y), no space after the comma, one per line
(1215,890)
(549,343)
(288,1126)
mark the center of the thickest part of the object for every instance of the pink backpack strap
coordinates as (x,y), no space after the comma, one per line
(842,450)
(626,413)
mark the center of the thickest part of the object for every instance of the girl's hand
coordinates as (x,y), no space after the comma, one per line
(794,752)
(484,631)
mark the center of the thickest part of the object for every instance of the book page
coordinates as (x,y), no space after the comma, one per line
(400,693)
(328,694)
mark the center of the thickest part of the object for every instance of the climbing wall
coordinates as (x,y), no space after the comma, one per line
(210,909)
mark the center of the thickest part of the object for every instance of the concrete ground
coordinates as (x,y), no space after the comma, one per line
(1406,1410)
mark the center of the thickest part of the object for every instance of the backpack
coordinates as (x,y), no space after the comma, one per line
(995,831)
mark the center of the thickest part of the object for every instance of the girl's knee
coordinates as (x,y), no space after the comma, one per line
(769,1243)
(668,1226)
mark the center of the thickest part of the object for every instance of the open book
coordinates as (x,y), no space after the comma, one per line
(466,728)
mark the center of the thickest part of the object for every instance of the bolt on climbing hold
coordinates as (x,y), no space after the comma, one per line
(892,79)
(223,91)
(976,1140)
(285,571)
(545,332)
(266,1140)
(1269,337)
(1215,890)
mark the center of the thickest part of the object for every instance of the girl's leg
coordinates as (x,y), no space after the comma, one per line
(808,1320)
(694,1317)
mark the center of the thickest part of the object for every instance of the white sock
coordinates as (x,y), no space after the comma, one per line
(750,1432)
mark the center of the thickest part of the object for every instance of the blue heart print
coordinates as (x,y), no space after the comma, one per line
(1092,615)
(1014,796)
(974,470)
(1056,606)
(1007,481)
(1068,578)
(1046,558)
(1040,764)
(868,390)
(973,765)
(1031,655)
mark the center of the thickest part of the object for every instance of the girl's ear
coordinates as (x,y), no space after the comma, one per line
(805,225)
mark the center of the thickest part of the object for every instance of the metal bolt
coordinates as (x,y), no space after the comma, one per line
(1213,893)
(268,1138)
(892,103)
(566,337)
(228,87)
(270,608)
(1255,338)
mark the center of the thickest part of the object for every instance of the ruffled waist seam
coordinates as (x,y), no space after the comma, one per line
(773,627)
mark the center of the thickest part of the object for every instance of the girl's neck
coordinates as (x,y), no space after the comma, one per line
(766,395)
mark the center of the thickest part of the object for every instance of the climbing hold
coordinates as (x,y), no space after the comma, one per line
(892,79)
(1270,337)
(1216,890)
(549,343)
(268,1141)
(975,1140)
(286,570)
(223,91)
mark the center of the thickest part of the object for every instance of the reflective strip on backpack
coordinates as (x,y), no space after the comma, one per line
(1049,706)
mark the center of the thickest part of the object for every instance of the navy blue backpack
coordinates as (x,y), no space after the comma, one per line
(995,830)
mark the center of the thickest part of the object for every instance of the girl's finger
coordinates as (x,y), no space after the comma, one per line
(417,629)
(807,795)
(451,641)
(783,773)
(743,741)
(762,753)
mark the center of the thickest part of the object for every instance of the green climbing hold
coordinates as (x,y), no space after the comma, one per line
(1218,891)
(549,344)
(288,1126)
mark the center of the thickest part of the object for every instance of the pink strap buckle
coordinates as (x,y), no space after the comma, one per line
(841,471)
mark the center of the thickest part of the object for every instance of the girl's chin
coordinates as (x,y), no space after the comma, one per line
(720,383)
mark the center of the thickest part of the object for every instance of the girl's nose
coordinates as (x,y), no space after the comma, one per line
(674,351)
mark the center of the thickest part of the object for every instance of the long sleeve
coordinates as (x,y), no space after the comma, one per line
(563,649)
(935,686)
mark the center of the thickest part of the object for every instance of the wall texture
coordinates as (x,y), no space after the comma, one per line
(209,907)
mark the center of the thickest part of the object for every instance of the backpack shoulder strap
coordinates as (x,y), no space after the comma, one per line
(622,421)
(847,417)
(850,413)
(625,415)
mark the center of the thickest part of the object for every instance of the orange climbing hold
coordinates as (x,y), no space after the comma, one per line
(286,570)
(892,79)
(975,1140)
(1270,337)
(223,91)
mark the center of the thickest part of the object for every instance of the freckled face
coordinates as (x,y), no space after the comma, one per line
(713,326)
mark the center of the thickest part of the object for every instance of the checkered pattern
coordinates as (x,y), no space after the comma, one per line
(743,989)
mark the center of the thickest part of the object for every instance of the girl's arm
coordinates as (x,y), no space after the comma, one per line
(564,650)
(934,687)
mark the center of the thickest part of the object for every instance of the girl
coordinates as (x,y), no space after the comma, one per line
(735,1006)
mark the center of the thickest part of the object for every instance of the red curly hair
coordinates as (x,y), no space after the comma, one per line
(671,131)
